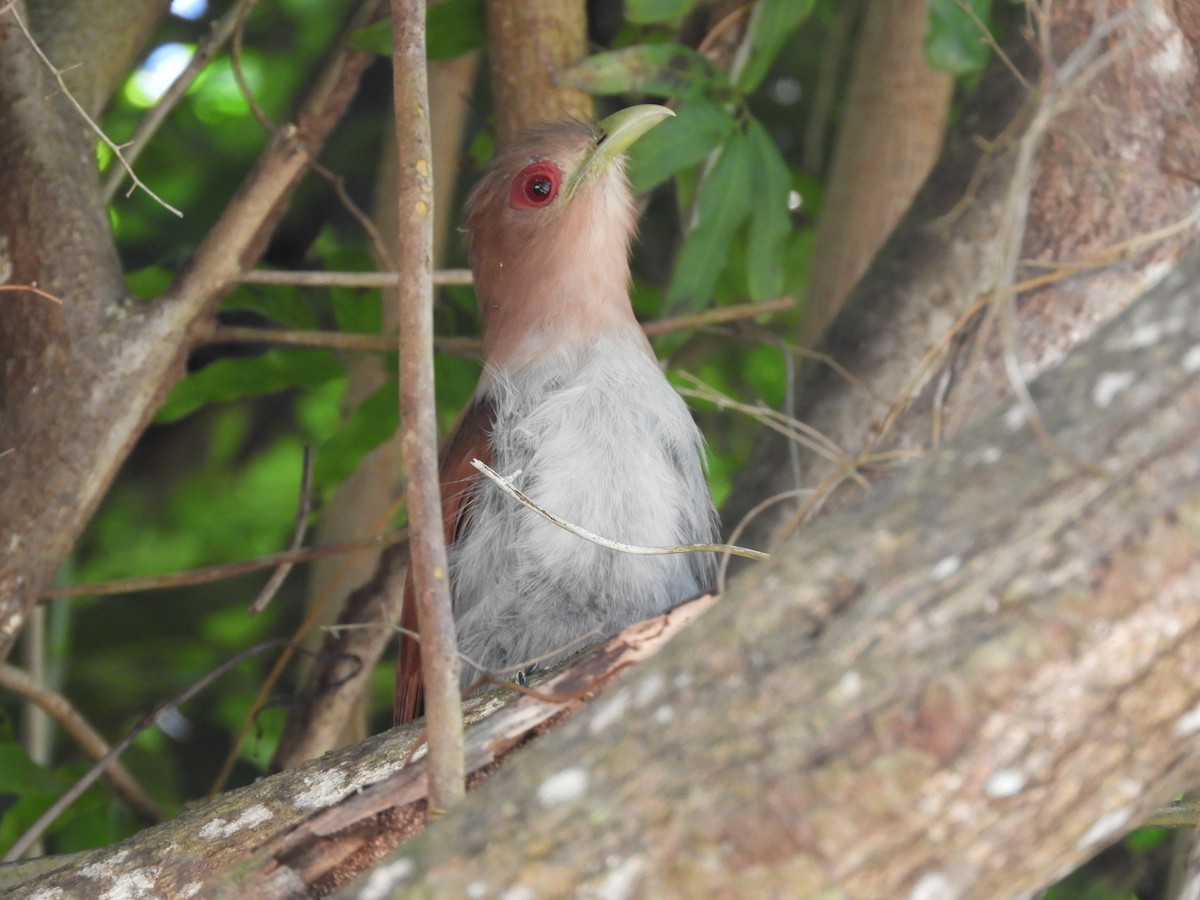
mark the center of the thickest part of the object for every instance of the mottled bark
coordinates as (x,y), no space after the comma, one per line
(94,41)
(527,43)
(895,116)
(76,375)
(82,379)
(1109,173)
(981,675)
(331,710)
(965,686)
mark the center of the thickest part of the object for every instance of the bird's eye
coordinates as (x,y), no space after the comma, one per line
(536,185)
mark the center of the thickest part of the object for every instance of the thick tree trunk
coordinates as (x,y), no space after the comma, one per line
(81,380)
(1085,172)
(78,378)
(964,687)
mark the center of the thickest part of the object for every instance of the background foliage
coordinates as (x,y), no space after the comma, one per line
(732,202)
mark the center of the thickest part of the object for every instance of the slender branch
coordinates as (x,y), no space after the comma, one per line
(152,121)
(505,484)
(418,443)
(32,289)
(720,316)
(338,183)
(304,507)
(790,428)
(62,86)
(222,571)
(235,66)
(336,340)
(348,279)
(315,612)
(60,709)
(470,346)
(754,511)
(38,828)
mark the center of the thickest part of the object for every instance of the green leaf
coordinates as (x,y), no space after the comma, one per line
(375,420)
(357,311)
(455,27)
(955,40)
(149,282)
(667,70)
(230,379)
(375,38)
(723,205)
(26,791)
(283,304)
(645,12)
(770,222)
(774,22)
(452,28)
(676,144)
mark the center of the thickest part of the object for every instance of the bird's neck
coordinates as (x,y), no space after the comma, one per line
(568,287)
(573,313)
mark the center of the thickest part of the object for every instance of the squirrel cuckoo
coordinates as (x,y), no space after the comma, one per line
(572,405)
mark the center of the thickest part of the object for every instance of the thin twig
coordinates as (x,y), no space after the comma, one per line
(465,346)
(303,508)
(792,429)
(338,183)
(418,443)
(235,65)
(348,279)
(515,667)
(62,85)
(1084,64)
(505,484)
(152,121)
(32,289)
(60,709)
(468,347)
(223,571)
(749,517)
(719,316)
(990,40)
(35,831)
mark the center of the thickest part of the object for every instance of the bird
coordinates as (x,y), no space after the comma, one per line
(573,407)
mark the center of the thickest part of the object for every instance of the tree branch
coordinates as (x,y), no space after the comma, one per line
(981,675)
(82,733)
(977,678)
(418,442)
(64,359)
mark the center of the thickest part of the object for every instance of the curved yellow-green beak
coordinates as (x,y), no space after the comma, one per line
(617,134)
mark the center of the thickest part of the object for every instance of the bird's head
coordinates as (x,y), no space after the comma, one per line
(549,226)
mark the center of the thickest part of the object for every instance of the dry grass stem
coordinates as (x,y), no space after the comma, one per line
(505,484)
(62,86)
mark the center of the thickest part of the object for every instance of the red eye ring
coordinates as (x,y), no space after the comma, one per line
(535,186)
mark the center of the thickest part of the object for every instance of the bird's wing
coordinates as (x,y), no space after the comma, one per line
(469,440)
